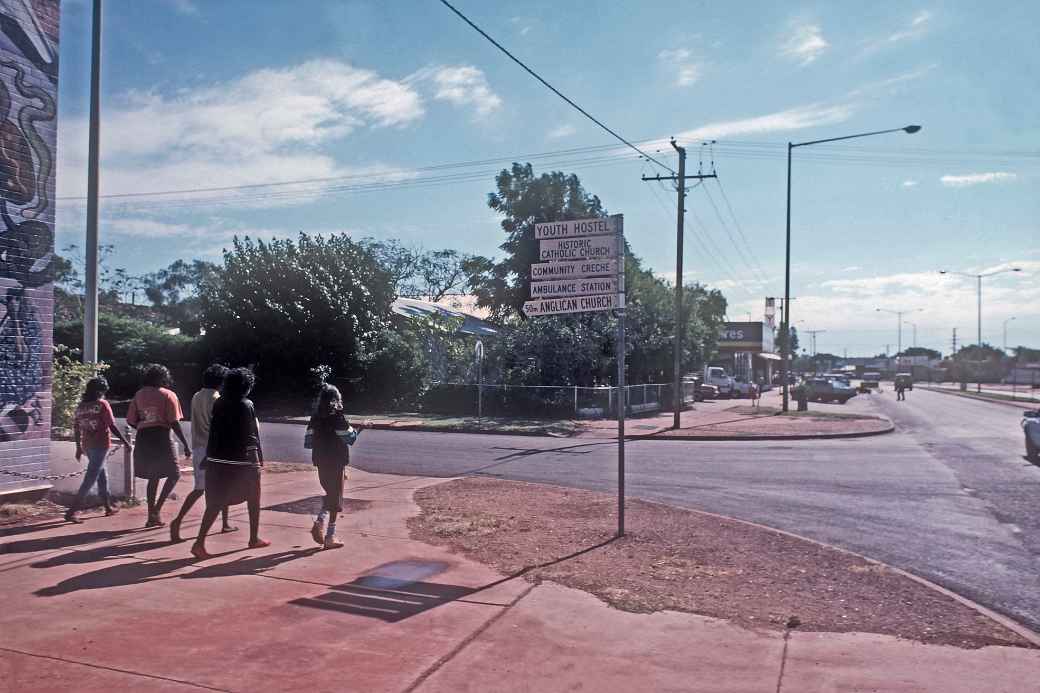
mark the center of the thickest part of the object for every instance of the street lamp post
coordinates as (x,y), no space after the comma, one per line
(978,294)
(1005,332)
(786,347)
(913,325)
(899,326)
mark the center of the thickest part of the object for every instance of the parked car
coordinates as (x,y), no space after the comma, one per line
(906,380)
(715,375)
(827,390)
(707,391)
(840,377)
(870,381)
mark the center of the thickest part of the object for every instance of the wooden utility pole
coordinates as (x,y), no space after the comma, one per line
(680,321)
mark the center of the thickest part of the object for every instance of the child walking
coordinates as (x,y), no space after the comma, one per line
(93,425)
(330,437)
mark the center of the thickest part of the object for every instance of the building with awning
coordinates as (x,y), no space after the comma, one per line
(746,351)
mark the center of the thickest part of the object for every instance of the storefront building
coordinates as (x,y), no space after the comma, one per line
(746,351)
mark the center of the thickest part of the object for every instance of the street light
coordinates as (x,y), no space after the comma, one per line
(786,350)
(1005,332)
(913,325)
(979,278)
(899,329)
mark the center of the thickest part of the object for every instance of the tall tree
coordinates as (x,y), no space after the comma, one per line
(525,199)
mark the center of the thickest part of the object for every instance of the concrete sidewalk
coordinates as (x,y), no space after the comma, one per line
(108,606)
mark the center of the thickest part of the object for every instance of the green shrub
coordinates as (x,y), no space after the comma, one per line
(70,378)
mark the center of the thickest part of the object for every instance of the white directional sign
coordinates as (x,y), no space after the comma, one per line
(574,287)
(579,304)
(576,227)
(573,270)
(587,248)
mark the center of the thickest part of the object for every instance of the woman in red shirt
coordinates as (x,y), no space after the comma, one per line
(155,412)
(93,425)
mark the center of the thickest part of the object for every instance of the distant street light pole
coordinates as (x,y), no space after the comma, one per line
(899,329)
(1005,333)
(90,302)
(786,348)
(913,325)
(978,294)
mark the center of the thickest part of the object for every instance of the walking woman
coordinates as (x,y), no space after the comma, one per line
(155,412)
(234,456)
(330,436)
(94,425)
(201,412)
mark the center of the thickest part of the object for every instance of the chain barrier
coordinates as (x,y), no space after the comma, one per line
(57,477)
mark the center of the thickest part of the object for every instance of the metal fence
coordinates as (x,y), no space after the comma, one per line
(548,401)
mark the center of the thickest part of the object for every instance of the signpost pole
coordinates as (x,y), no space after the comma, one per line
(621,376)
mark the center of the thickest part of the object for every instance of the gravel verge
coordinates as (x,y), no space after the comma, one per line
(682,560)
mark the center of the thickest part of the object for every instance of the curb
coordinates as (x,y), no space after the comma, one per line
(977,398)
(1014,626)
(1026,633)
(419,428)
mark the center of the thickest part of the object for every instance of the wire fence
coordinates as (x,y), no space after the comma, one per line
(549,401)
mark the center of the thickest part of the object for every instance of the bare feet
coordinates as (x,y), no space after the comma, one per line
(228,528)
(259,543)
(154,521)
(199,552)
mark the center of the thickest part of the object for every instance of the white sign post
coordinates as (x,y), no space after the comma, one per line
(581,270)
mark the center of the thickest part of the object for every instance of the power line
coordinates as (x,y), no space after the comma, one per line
(732,238)
(554,90)
(740,230)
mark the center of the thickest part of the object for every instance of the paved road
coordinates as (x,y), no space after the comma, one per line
(949,497)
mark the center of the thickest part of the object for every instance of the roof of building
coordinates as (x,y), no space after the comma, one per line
(471,324)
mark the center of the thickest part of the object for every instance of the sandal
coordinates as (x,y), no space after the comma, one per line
(70,516)
(318,533)
(259,544)
(109,512)
(200,552)
(228,529)
(154,521)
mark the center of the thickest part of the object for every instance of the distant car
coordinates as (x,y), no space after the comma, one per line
(840,377)
(707,391)
(827,390)
(870,381)
(906,380)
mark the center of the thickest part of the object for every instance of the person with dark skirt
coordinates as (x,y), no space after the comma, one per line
(329,435)
(94,426)
(201,413)
(234,455)
(156,413)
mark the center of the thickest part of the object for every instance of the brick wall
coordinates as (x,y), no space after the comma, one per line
(28,130)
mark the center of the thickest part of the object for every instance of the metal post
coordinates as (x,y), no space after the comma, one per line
(786,320)
(575,401)
(90,311)
(978,380)
(621,377)
(128,465)
(679,321)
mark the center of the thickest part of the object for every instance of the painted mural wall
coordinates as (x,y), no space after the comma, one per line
(28,132)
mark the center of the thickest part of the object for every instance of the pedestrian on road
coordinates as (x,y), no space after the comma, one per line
(900,391)
(155,412)
(201,412)
(234,455)
(94,424)
(329,435)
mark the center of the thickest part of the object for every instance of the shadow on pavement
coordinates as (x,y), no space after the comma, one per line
(101,553)
(15,530)
(63,542)
(122,575)
(250,565)
(395,591)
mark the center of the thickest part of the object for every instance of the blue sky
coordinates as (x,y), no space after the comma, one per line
(207,93)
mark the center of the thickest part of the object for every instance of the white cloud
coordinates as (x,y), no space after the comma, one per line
(561,131)
(910,183)
(965,180)
(917,28)
(852,268)
(813,115)
(523,24)
(269,125)
(687,71)
(187,7)
(805,43)
(465,85)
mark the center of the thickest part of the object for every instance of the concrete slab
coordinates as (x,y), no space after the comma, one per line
(20,672)
(854,662)
(559,639)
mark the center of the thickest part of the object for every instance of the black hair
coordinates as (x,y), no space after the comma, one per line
(157,375)
(213,377)
(330,400)
(238,383)
(95,389)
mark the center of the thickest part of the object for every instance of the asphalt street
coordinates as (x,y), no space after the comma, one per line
(949,496)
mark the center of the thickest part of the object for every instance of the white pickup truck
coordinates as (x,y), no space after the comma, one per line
(714,375)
